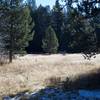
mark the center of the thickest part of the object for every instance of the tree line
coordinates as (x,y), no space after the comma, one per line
(73,33)
(26,28)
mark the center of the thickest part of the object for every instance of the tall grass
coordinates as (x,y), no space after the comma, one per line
(33,72)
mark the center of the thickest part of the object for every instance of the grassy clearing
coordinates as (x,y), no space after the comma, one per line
(31,72)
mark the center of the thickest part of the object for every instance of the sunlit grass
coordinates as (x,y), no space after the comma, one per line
(30,72)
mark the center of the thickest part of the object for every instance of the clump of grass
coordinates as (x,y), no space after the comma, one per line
(3,59)
(53,81)
(58,82)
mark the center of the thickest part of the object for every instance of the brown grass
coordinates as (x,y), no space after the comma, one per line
(30,72)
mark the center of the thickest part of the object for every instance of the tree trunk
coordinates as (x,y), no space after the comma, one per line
(10,56)
(11,36)
(11,45)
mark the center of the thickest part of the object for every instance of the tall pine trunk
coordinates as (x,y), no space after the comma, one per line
(11,44)
(11,36)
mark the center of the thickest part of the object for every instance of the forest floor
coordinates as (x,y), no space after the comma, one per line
(31,72)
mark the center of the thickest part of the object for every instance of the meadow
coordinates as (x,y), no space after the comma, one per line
(32,72)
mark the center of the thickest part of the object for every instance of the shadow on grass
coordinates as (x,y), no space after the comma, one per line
(89,81)
(63,90)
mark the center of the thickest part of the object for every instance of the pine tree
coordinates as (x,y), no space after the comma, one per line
(16,27)
(96,22)
(87,8)
(25,30)
(32,4)
(50,41)
(79,34)
(41,17)
(57,21)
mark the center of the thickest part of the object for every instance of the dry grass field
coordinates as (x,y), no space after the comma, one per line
(31,71)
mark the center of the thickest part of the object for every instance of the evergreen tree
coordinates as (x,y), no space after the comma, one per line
(72,26)
(16,26)
(50,41)
(32,4)
(90,43)
(76,31)
(42,19)
(87,8)
(96,22)
(57,21)
(25,30)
